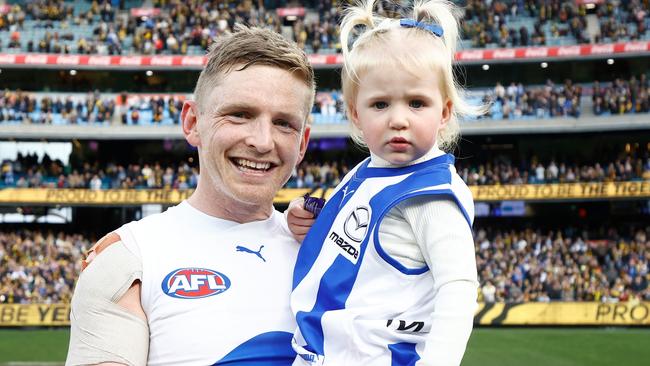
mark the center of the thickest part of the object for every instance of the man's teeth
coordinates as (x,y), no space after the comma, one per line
(253,165)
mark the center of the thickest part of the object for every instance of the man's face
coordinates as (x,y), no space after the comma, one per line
(250,134)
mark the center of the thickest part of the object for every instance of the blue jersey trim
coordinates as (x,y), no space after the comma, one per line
(433,175)
(272,349)
(403,354)
(392,261)
(365,171)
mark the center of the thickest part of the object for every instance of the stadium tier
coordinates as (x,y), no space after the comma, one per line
(178,27)
(32,171)
(516,102)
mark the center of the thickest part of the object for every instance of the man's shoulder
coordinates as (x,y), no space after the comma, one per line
(160,219)
(103,243)
(281,225)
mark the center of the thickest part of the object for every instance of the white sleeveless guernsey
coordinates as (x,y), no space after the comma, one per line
(215,291)
(354,303)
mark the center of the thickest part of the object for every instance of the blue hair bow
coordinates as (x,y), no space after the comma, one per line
(431,27)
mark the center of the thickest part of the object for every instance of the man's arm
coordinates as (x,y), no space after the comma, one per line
(131,302)
(108,324)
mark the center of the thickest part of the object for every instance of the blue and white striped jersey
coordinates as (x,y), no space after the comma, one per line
(354,303)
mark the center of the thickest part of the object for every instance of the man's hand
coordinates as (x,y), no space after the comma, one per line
(299,219)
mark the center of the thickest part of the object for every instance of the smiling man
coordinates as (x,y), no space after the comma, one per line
(208,281)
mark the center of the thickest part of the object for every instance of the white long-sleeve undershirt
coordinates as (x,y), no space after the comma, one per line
(432,231)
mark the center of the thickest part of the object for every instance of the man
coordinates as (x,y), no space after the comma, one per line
(208,281)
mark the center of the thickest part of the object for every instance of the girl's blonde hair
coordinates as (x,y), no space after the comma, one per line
(377,45)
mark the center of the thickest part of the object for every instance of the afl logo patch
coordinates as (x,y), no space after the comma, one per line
(356,225)
(194,283)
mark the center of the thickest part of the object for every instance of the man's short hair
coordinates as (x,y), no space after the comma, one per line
(248,46)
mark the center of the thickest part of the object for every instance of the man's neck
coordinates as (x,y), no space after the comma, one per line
(228,208)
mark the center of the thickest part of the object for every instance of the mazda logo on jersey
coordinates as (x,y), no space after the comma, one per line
(194,283)
(356,225)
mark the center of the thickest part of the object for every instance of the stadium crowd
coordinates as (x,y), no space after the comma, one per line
(27,171)
(93,107)
(622,96)
(548,101)
(533,265)
(516,101)
(170,27)
(514,266)
(182,27)
(499,23)
(39,267)
(503,171)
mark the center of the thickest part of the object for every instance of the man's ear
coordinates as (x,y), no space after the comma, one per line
(189,121)
(304,142)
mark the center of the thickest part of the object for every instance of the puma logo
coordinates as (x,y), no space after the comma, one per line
(257,253)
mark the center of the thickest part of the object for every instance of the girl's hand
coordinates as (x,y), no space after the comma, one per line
(299,219)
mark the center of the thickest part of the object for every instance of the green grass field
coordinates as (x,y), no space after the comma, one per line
(487,347)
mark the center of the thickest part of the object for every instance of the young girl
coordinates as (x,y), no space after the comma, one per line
(387,274)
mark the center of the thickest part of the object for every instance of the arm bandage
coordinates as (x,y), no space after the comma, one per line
(101,330)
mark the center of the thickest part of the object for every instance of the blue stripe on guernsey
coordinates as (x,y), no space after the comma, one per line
(316,235)
(272,349)
(334,289)
(403,354)
(332,283)
(309,253)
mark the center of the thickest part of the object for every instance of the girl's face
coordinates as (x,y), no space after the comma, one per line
(399,114)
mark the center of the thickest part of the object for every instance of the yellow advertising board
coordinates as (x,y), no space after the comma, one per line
(117,197)
(566,191)
(564,313)
(534,313)
(30,315)
(125,197)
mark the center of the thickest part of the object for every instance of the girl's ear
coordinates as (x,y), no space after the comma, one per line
(447,108)
(353,115)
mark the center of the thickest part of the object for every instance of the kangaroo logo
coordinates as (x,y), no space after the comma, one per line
(346,192)
(257,253)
